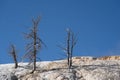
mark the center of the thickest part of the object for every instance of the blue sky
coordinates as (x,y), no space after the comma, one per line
(97,23)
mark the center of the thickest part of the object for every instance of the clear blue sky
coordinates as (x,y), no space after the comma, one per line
(97,23)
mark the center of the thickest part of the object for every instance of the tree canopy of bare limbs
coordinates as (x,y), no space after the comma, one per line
(71,41)
(13,53)
(35,43)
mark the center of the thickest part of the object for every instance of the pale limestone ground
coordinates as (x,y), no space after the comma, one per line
(84,68)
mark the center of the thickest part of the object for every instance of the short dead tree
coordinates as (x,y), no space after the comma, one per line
(13,53)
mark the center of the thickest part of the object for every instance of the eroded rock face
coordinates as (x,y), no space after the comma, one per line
(84,68)
(109,58)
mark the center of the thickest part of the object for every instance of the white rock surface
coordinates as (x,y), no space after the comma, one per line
(84,68)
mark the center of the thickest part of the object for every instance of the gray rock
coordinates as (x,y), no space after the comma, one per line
(8,76)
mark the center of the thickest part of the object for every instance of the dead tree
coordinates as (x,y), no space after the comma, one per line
(35,43)
(73,41)
(70,44)
(13,54)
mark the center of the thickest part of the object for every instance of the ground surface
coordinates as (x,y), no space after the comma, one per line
(84,68)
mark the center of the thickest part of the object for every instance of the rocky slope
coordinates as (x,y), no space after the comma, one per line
(84,68)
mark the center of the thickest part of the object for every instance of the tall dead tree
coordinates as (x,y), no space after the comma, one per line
(70,44)
(35,43)
(13,54)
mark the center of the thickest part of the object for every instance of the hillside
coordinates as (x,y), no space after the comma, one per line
(84,68)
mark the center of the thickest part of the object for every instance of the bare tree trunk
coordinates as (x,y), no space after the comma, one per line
(71,59)
(68,49)
(15,60)
(35,51)
(34,62)
(14,55)
(71,52)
